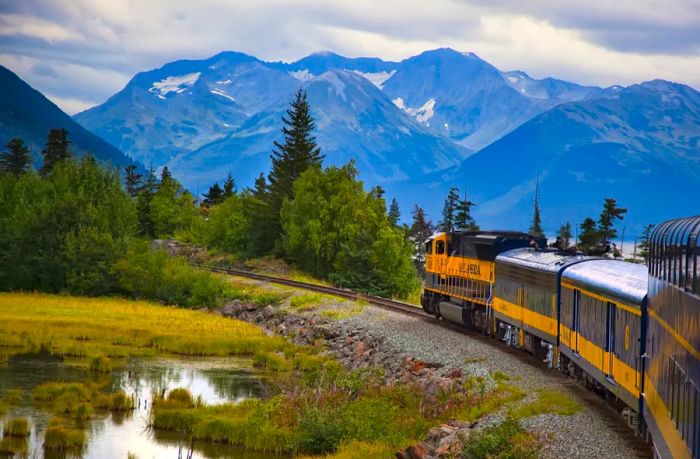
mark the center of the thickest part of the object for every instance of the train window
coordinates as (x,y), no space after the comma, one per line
(440,247)
(429,247)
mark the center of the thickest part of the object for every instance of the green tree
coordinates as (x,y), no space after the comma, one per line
(165,174)
(644,243)
(297,153)
(172,208)
(144,200)
(16,159)
(132,180)
(229,186)
(606,223)
(463,219)
(536,226)
(419,232)
(394,214)
(336,230)
(63,231)
(214,196)
(448,211)
(589,236)
(56,150)
(564,236)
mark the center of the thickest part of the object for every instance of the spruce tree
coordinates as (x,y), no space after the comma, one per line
(165,175)
(16,159)
(394,214)
(56,149)
(644,244)
(448,211)
(144,211)
(132,180)
(214,196)
(291,158)
(589,235)
(536,227)
(463,219)
(419,232)
(606,223)
(229,186)
(564,236)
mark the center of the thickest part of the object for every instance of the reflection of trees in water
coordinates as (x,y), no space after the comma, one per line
(234,385)
(207,449)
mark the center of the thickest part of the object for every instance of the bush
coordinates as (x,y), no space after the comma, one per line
(507,440)
(153,274)
(319,431)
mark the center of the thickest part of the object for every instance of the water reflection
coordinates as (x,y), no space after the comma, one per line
(115,434)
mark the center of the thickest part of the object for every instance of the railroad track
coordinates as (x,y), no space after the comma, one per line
(394,305)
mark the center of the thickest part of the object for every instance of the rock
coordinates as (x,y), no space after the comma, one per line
(360,348)
(268,312)
(322,331)
(348,341)
(420,451)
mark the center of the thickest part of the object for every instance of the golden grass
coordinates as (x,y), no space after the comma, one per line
(89,328)
(548,401)
(359,450)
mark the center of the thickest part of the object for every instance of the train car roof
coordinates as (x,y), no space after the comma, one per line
(618,279)
(541,260)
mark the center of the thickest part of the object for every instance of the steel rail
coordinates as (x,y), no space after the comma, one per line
(400,306)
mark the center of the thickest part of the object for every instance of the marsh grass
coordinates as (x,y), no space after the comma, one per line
(13,396)
(16,427)
(93,328)
(101,364)
(61,437)
(548,401)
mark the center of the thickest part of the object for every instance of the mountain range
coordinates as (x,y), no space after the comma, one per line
(27,114)
(416,127)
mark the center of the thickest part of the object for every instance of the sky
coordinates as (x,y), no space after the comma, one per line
(80,52)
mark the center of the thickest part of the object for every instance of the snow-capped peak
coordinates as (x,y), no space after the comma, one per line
(176,84)
(377,78)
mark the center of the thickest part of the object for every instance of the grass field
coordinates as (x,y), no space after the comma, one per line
(90,328)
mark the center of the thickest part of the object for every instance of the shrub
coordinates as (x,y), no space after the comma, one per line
(319,431)
(153,274)
(181,397)
(17,427)
(507,440)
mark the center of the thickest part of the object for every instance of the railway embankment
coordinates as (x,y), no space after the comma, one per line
(566,420)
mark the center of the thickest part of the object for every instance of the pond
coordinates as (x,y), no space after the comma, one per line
(115,435)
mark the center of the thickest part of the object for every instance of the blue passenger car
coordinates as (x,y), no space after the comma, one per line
(672,370)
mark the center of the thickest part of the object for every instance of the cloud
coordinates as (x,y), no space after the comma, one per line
(95,47)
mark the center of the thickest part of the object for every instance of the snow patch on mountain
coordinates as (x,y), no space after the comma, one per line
(176,84)
(335,81)
(224,82)
(302,75)
(218,92)
(377,78)
(421,114)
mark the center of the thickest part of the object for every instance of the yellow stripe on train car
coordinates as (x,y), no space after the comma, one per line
(668,430)
(526,316)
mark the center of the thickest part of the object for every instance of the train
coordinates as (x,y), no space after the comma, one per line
(627,330)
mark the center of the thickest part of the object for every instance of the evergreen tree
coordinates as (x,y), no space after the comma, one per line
(463,219)
(291,158)
(16,159)
(589,235)
(132,180)
(394,214)
(564,236)
(56,149)
(606,223)
(419,232)
(644,244)
(260,186)
(229,186)
(378,192)
(536,227)
(144,211)
(214,196)
(448,211)
(165,175)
